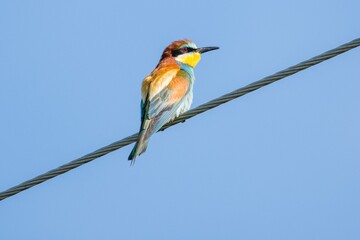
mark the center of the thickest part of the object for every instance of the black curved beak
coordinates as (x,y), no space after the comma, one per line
(206,49)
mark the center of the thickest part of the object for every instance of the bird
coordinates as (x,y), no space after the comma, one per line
(167,91)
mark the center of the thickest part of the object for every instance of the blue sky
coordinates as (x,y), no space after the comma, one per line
(279,163)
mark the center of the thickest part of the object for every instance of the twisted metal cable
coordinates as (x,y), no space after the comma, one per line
(189,114)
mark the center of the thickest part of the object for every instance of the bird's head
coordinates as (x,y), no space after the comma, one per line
(185,52)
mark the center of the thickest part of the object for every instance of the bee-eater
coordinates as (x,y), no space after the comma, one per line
(168,90)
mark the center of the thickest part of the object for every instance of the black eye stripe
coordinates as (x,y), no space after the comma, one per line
(189,49)
(183,50)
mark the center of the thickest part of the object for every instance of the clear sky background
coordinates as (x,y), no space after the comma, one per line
(279,163)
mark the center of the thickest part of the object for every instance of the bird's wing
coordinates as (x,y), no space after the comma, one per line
(154,83)
(160,107)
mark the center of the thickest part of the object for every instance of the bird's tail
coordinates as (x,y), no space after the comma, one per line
(140,146)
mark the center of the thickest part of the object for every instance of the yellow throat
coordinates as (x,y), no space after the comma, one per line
(190,59)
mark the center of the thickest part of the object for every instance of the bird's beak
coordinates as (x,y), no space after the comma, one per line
(206,49)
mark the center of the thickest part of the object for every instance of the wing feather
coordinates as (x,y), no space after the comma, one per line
(170,96)
(161,107)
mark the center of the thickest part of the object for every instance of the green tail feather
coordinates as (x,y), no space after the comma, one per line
(139,147)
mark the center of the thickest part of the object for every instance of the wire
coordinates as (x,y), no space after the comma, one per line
(189,114)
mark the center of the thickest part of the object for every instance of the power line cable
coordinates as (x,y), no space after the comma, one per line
(189,114)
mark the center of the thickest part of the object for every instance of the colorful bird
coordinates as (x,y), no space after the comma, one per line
(168,90)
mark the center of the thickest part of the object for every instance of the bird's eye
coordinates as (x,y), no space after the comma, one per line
(180,51)
(184,50)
